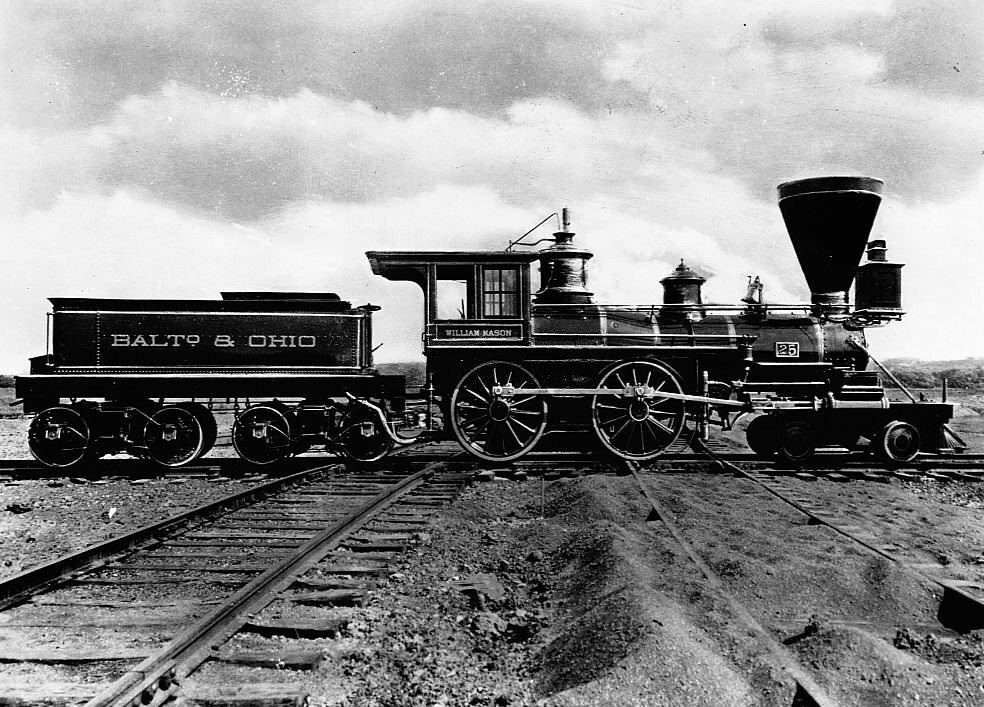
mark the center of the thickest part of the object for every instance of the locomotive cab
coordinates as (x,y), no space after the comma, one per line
(510,365)
(471,298)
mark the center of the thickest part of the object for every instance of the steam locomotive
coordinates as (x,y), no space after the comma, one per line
(508,365)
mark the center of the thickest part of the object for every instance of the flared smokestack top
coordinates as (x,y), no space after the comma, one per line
(829,219)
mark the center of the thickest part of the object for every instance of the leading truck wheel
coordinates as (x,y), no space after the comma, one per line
(490,415)
(796,441)
(638,423)
(59,436)
(174,436)
(898,442)
(263,434)
(761,436)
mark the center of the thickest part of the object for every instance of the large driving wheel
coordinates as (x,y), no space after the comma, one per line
(263,433)
(174,436)
(490,415)
(898,442)
(59,436)
(637,422)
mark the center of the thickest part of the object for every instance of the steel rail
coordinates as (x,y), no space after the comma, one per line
(836,461)
(154,679)
(808,692)
(20,587)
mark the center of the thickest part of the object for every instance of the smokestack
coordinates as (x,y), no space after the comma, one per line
(829,219)
(563,269)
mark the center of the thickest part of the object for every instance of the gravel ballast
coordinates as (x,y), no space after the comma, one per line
(592,603)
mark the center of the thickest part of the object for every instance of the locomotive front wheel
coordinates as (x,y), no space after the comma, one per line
(796,441)
(491,417)
(761,436)
(59,436)
(174,436)
(262,434)
(638,423)
(898,442)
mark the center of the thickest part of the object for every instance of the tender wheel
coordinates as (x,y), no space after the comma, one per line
(263,433)
(206,419)
(59,436)
(174,436)
(363,438)
(898,442)
(761,436)
(491,417)
(638,423)
(796,441)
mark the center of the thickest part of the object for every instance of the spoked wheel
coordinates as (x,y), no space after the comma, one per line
(761,436)
(638,423)
(898,442)
(206,419)
(263,433)
(796,441)
(490,415)
(173,436)
(59,436)
(363,438)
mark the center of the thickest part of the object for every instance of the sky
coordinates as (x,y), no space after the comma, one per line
(180,148)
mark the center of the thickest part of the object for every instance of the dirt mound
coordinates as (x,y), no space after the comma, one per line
(618,638)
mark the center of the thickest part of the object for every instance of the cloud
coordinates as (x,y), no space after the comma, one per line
(768,92)
(73,62)
(247,157)
(122,245)
(178,149)
(941,287)
(926,47)
(763,108)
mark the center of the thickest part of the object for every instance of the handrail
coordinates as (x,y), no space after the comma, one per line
(683,307)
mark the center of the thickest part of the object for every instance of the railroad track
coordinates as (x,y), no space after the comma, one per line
(807,692)
(865,529)
(962,605)
(126,622)
(967,468)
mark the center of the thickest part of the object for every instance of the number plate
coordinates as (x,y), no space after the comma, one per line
(787,349)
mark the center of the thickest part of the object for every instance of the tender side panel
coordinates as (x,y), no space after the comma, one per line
(206,339)
(39,391)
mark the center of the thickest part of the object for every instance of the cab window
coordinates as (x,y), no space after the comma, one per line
(452,298)
(500,293)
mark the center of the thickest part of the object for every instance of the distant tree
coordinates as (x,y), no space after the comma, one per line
(912,377)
